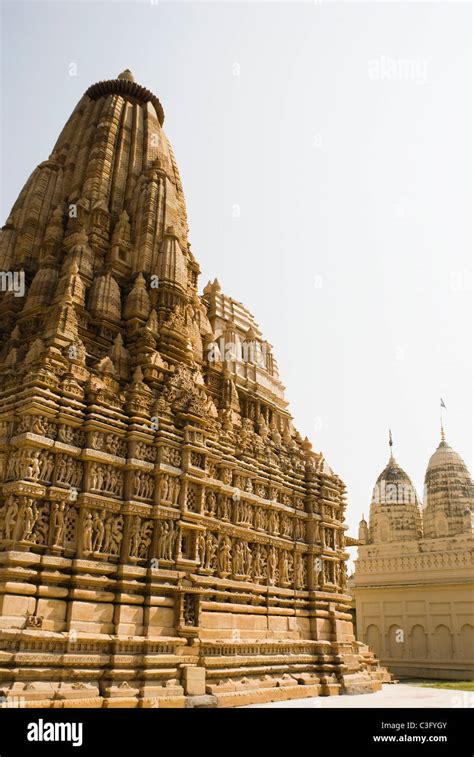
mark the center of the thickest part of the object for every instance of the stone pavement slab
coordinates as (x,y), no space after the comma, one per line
(391,695)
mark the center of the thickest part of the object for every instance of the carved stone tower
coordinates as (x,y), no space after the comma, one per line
(395,513)
(166,535)
(449,494)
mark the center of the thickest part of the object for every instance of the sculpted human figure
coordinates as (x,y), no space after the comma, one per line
(256,566)
(66,434)
(98,529)
(299,572)
(87,533)
(136,483)
(145,538)
(114,482)
(235,559)
(48,467)
(227,508)
(211,503)
(276,436)
(11,466)
(96,440)
(77,477)
(176,489)
(247,559)
(38,426)
(94,476)
(238,562)
(112,443)
(99,477)
(30,516)
(135,534)
(201,547)
(272,565)
(170,540)
(33,465)
(10,518)
(149,487)
(273,522)
(69,470)
(57,523)
(284,524)
(283,565)
(225,547)
(43,465)
(60,468)
(117,535)
(108,534)
(262,427)
(105,472)
(162,539)
(291,571)
(211,548)
(119,487)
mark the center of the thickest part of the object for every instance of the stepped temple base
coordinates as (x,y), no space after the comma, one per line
(94,640)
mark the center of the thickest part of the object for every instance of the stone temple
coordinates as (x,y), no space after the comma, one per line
(167,538)
(414,579)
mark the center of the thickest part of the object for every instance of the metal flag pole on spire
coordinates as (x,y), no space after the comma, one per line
(441,418)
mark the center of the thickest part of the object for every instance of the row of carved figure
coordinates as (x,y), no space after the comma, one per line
(105,478)
(244,513)
(56,524)
(42,465)
(246,560)
(115,444)
(43,426)
(256,433)
(22,518)
(107,442)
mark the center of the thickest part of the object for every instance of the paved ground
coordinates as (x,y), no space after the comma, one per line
(392,695)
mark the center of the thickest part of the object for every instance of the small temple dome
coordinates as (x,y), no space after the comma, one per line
(395,508)
(449,492)
(393,485)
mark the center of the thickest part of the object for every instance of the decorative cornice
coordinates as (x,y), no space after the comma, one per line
(128,89)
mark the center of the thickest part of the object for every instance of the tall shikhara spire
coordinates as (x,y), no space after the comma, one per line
(164,531)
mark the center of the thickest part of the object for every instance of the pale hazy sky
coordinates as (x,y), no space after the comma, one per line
(343,134)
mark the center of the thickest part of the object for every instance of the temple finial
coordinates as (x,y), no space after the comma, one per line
(390,443)
(443,439)
(127,74)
